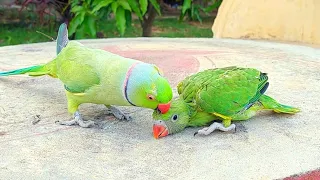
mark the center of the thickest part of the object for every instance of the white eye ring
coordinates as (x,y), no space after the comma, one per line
(150,97)
(174,117)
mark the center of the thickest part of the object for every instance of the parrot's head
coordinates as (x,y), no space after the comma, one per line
(148,88)
(175,120)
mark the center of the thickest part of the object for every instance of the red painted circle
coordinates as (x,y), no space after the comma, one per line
(175,64)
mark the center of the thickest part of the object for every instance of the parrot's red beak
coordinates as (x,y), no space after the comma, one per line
(163,108)
(160,130)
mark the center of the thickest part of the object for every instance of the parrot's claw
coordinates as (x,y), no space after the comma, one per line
(77,120)
(119,114)
(207,130)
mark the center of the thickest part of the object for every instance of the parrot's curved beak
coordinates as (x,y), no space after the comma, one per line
(163,108)
(160,129)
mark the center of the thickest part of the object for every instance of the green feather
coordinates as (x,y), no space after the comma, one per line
(31,71)
(270,103)
(62,39)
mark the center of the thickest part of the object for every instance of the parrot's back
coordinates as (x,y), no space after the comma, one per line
(80,68)
(191,84)
(226,90)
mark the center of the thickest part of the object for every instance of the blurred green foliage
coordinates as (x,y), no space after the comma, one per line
(193,10)
(87,12)
(163,27)
(105,18)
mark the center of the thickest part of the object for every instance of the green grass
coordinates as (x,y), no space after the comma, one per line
(12,35)
(164,27)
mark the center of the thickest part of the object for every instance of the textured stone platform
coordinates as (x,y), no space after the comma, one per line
(269,146)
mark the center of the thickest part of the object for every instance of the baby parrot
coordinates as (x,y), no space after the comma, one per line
(226,94)
(100,77)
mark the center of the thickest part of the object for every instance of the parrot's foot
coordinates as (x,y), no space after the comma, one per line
(207,130)
(77,120)
(119,114)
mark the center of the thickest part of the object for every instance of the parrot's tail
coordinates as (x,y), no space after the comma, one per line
(272,104)
(286,109)
(46,69)
(37,70)
(62,38)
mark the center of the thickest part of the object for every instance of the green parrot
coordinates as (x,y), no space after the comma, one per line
(226,94)
(100,77)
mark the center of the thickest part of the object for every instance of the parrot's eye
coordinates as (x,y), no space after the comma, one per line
(174,117)
(150,97)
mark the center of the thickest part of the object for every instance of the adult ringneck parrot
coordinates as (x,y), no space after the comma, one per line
(226,94)
(100,77)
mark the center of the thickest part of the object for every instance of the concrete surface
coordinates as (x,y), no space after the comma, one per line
(271,146)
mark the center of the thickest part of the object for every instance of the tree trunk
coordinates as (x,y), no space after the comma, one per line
(147,29)
(147,21)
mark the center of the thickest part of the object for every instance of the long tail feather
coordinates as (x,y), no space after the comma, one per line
(62,39)
(49,68)
(286,109)
(272,104)
(37,70)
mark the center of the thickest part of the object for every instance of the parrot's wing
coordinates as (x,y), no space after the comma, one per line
(232,91)
(77,69)
(76,76)
(79,78)
(188,87)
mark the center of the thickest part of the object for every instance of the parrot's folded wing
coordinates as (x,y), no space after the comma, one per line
(262,87)
(232,91)
(74,71)
(191,84)
(77,77)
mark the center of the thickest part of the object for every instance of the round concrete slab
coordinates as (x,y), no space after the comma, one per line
(268,146)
